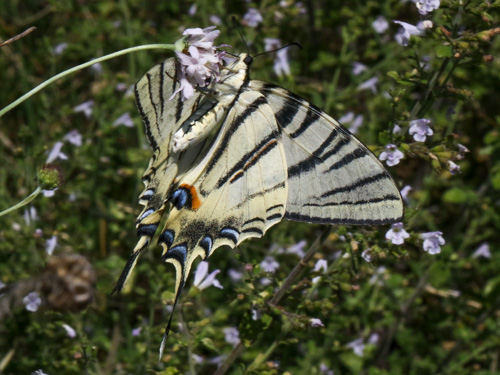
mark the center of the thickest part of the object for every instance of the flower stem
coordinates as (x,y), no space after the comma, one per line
(23,202)
(82,66)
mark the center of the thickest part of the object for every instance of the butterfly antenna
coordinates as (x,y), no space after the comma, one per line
(282,47)
(237,24)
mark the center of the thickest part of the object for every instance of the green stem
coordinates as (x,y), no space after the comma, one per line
(82,66)
(421,107)
(23,202)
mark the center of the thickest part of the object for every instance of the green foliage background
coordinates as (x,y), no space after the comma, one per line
(434,314)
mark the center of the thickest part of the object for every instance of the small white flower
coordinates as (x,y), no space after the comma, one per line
(378,277)
(462,150)
(324,369)
(69,330)
(198,358)
(235,275)
(427,24)
(420,129)
(405,32)
(391,155)
(50,245)
(192,9)
(367,255)
(321,264)
(2,285)
(256,315)
(396,129)
(427,6)
(124,120)
(370,84)
(85,108)
(203,280)
(265,281)
(252,18)
(56,153)
(96,68)
(453,168)
(358,68)
(269,264)
(202,38)
(397,234)
(380,25)
(30,215)
(482,251)
(373,338)
(315,322)
(59,48)
(355,122)
(281,64)
(74,138)
(297,249)
(357,347)
(299,5)
(232,336)
(215,19)
(404,192)
(348,117)
(433,242)
(38,372)
(32,301)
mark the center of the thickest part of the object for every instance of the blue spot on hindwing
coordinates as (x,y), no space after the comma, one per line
(167,237)
(179,198)
(146,214)
(147,195)
(178,253)
(147,230)
(230,233)
(206,243)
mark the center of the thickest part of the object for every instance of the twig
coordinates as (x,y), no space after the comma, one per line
(19,36)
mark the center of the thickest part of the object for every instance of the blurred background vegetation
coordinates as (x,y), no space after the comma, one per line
(401,310)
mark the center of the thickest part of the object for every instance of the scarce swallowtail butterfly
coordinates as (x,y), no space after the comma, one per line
(238,157)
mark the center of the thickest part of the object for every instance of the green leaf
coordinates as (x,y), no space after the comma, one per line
(443,51)
(458,195)
(495,178)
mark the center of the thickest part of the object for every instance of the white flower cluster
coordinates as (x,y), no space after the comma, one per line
(427,6)
(200,61)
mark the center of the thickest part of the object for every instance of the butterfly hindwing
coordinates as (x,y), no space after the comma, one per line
(332,177)
(240,193)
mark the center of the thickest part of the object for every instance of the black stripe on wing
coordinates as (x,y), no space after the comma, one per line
(337,221)
(359,183)
(147,125)
(311,117)
(316,157)
(151,99)
(286,113)
(233,127)
(248,160)
(358,153)
(385,198)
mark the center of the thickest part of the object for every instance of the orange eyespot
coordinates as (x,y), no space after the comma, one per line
(195,200)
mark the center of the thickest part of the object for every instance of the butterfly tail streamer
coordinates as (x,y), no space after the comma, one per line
(132,261)
(169,324)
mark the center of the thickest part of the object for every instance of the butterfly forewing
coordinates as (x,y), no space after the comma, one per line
(332,177)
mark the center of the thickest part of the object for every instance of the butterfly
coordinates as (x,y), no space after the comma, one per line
(240,156)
